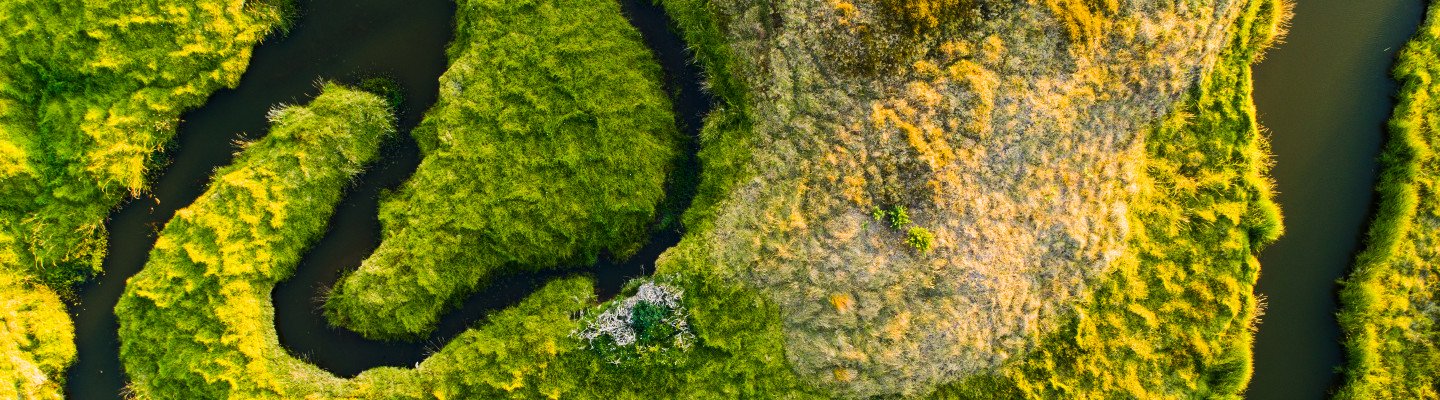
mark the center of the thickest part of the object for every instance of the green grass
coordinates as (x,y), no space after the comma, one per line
(550,145)
(89,94)
(1388,303)
(193,321)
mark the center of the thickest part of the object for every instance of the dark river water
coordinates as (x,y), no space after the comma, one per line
(1325,95)
(348,41)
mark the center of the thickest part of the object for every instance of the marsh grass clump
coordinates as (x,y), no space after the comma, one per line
(385,87)
(921,239)
(1204,187)
(1017,142)
(653,320)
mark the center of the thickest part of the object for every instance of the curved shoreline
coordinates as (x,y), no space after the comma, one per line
(295,61)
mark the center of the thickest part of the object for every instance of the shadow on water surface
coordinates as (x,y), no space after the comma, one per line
(1325,95)
(347,41)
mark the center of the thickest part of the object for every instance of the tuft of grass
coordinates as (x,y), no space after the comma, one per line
(921,239)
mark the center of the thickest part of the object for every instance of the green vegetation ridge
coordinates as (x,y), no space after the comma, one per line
(190,322)
(1390,303)
(1019,144)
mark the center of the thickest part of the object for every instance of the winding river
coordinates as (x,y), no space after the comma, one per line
(348,41)
(1325,95)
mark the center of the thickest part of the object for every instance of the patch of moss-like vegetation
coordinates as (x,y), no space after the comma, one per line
(1390,304)
(1176,318)
(1018,144)
(89,94)
(550,146)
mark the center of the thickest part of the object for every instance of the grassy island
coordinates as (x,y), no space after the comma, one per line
(1390,303)
(550,145)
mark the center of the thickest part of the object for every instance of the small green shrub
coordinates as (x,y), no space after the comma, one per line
(386,88)
(921,239)
(649,322)
(898,218)
(924,15)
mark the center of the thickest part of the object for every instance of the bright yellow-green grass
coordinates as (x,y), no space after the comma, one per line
(89,93)
(551,143)
(1390,304)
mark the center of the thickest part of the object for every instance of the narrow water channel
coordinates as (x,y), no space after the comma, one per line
(345,41)
(1325,95)
(354,233)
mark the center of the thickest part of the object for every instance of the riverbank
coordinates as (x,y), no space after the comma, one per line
(1326,122)
(1391,301)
